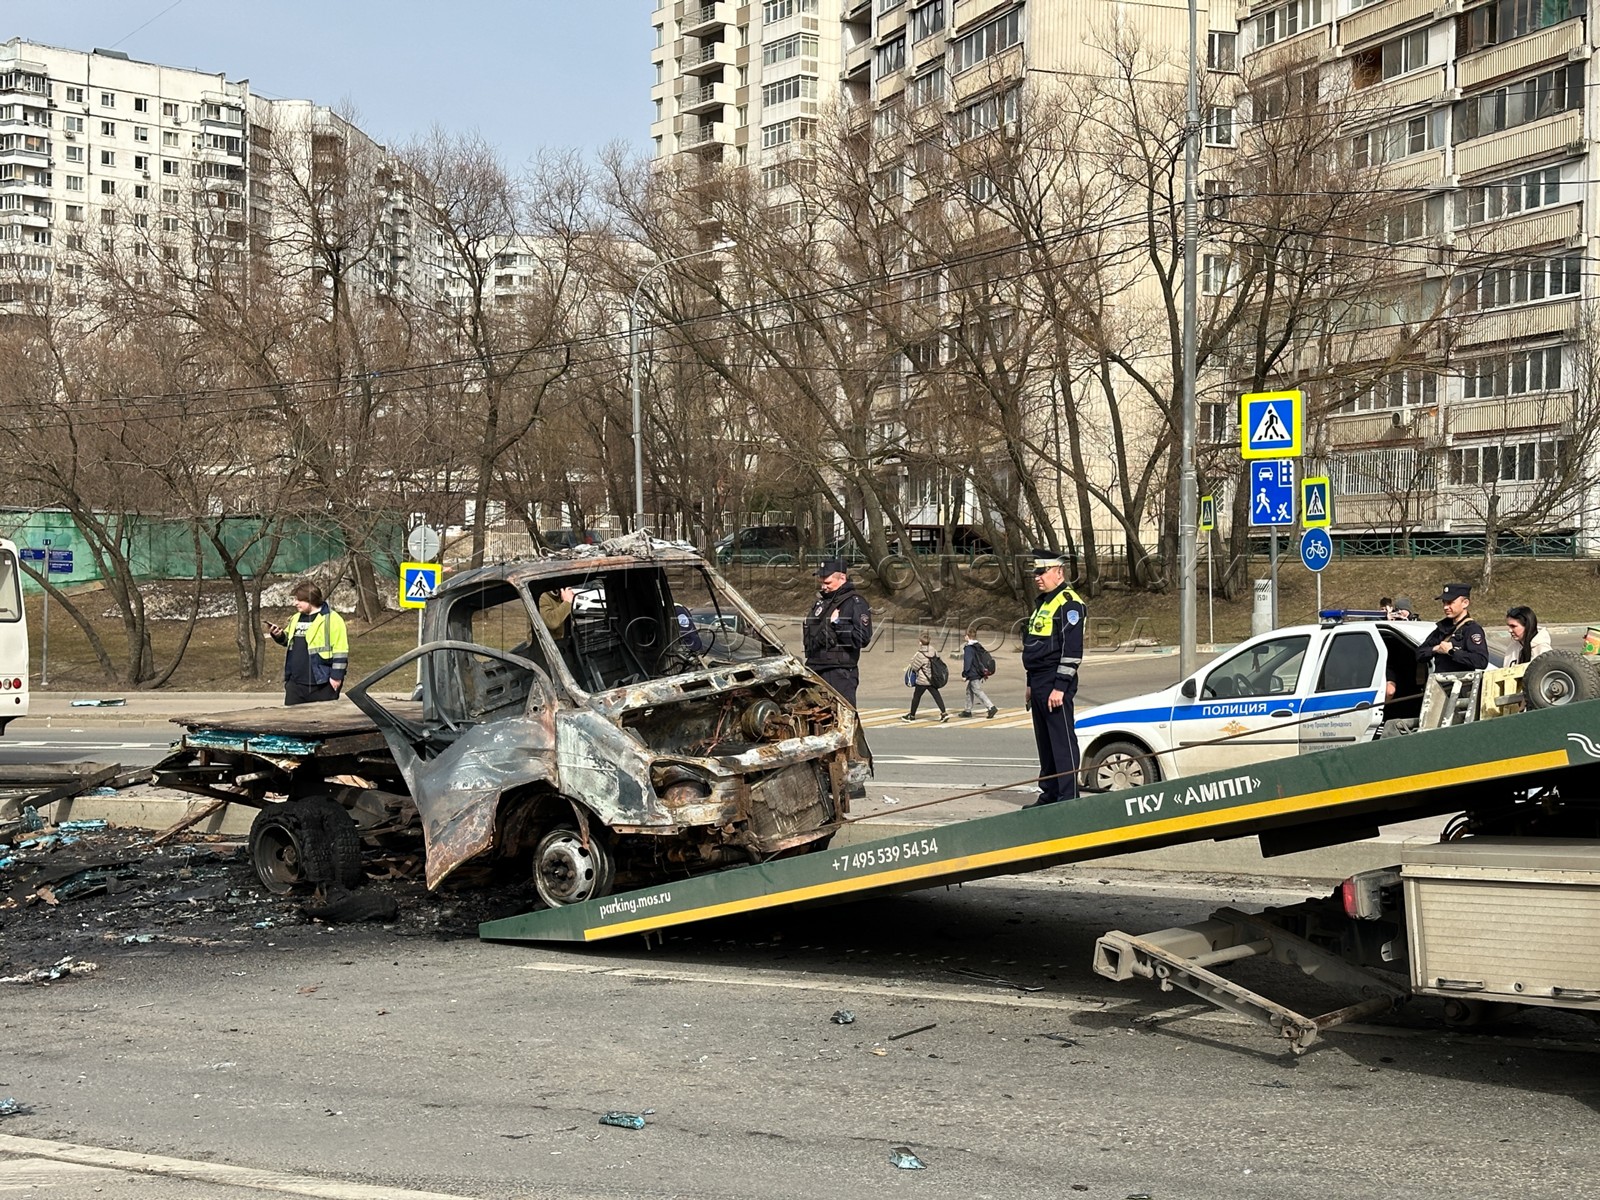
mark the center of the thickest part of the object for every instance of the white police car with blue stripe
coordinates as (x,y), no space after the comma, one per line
(1294,690)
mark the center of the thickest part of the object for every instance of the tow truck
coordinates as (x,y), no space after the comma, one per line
(1502,911)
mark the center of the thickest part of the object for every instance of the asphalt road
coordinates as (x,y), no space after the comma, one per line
(474,1070)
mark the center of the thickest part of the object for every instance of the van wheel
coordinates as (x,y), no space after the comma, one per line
(305,842)
(1559,677)
(1118,766)
(565,871)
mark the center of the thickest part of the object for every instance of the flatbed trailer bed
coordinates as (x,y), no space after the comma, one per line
(1322,798)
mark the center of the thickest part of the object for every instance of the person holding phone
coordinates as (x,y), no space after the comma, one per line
(318,648)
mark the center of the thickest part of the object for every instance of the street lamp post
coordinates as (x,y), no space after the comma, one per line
(633,370)
(1188,498)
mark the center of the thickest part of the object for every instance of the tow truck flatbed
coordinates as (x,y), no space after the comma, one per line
(1322,798)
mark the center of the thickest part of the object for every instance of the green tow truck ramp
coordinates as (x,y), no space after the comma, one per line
(1296,803)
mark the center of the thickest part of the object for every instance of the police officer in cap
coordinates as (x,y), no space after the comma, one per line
(1457,643)
(1052,652)
(837,628)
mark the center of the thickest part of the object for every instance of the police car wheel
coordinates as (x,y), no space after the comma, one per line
(1117,766)
(1559,677)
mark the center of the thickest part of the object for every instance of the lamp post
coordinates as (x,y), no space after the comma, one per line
(633,370)
(1188,498)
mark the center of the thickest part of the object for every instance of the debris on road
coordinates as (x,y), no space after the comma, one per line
(622,1120)
(10,1108)
(60,970)
(998,980)
(895,1037)
(100,702)
(902,1157)
(843,1017)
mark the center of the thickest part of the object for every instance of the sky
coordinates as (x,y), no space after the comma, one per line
(526,74)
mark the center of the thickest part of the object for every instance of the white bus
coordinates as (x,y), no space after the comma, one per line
(13,638)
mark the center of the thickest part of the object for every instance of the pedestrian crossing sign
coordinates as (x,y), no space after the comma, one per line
(418,582)
(1316,509)
(1208,514)
(1270,424)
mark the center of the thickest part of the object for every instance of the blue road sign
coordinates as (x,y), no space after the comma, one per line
(1272,492)
(60,562)
(1316,548)
(418,581)
(29,555)
(1270,424)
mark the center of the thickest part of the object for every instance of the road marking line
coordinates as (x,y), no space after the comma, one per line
(218,1173)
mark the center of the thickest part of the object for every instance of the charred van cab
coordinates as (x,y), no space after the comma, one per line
(610,736)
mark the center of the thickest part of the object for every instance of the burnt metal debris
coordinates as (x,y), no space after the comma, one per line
(576,724)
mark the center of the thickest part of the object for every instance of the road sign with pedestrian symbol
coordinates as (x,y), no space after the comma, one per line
(1272,493)
(418,582)
(1208,513)
(1316,507)
(1270,424)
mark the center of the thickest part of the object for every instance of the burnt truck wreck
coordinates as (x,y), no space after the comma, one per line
(605,714)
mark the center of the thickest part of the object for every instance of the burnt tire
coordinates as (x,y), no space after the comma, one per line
(568,871)
(1117,766)
(1560,677)
(1398,727)
(303,843)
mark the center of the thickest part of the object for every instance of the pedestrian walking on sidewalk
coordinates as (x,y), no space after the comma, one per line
(1052,652)
(926,674)
(977,664)
(318,647)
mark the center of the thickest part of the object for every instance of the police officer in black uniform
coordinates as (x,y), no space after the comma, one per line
(1052,651)
(837,628)
(1457,643)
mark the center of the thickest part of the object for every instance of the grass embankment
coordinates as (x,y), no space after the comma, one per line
(1560,592)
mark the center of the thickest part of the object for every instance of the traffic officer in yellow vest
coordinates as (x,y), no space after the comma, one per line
(319,648)
(1052,651)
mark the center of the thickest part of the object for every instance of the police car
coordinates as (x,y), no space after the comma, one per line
(1297,689)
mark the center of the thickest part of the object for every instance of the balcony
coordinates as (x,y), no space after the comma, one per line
(1406,91)
(1520,55)
(712,134)
(969,12)
(25,187)
(1381,19)
(707,19)
(1526,321)
(18,154)
(710,58)
(1552,227)
(705,98)
(1547,136)
(857,60)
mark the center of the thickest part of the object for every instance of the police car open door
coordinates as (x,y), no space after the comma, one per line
(1346,691)
(1244,707)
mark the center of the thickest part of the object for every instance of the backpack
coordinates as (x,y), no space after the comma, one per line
(911,677)
(983,660)
(938,673)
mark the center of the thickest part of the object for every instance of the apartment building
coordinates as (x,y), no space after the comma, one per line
(1483,109)
(742,83)
(100,152)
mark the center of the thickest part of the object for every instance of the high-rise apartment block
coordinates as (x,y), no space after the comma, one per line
(99,151)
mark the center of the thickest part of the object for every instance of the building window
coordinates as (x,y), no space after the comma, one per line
(72,124)
(1222,50)
(1394,58)
(774,11)
(74,95)
(169,195)
(1502,20)
(108,158)
(1508,197)
(74,183)
(169,137)
(888,5)
(108,216)
(1520,462)
(108,187)
(1526,282)
(1286,21)
(169,166)
(1544,95)
(141,133)
(1407,222)
(985,116)
(1216,274)
(169,224)
(169,110)
(784,132)
(75,211)
(796,87)
(1219,126)
(74,154)
(927,87)
(141,162)
(796,45)
(1381,472)
(1514,374)
(991,39)
(1398,389)
(108,99)
(141,104)
(108,129)
(141,191)
(141,221)
(1390,142)
(889,58)
(927,20)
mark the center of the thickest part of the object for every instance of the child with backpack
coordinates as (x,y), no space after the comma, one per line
(927,673)
(977,664)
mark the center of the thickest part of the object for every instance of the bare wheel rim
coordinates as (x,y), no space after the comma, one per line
(566,871)
(278,859)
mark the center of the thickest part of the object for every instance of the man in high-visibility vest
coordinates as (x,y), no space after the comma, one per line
(1052,652)
(319,648)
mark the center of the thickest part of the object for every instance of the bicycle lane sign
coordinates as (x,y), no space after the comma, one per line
(1316,549)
